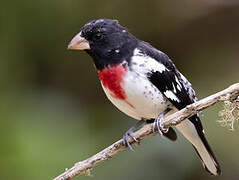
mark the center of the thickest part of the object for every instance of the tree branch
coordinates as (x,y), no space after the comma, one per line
(229,94)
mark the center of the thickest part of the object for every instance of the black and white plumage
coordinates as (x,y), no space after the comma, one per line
(142,81)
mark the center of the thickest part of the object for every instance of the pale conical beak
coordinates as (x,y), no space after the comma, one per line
(78,42)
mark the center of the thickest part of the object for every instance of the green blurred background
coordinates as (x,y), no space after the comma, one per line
(54,113)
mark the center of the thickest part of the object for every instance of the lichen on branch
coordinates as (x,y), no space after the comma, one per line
(230,114)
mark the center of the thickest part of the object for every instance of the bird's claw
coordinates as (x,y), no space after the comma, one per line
(129,134)
(157,126)
(126,137)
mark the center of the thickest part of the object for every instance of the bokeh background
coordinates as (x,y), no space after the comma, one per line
(54,113)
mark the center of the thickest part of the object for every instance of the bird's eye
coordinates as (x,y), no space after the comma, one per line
(98,36)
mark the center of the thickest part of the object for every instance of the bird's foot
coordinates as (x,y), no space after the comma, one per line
(157,125)
(129,134)
(126,137)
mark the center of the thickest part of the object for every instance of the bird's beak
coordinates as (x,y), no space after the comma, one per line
(79,43)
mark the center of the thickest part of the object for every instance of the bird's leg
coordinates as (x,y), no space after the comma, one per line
(157,123)
(130,132)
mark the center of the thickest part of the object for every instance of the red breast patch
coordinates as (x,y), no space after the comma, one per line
(112,79)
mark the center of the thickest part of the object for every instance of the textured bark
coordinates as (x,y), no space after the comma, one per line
(229,94)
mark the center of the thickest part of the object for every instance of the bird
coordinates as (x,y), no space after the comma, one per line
(142,82)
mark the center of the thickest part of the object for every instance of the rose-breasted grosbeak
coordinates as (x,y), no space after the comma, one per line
(142,82)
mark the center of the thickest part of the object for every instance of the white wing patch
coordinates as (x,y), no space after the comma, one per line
(178,87)
(174,89)
(170,95)
(150,64)
(178,83)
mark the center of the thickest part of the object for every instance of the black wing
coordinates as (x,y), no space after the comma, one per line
(178,90)
(175,87)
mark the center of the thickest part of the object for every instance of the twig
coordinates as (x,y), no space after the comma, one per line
(85,166)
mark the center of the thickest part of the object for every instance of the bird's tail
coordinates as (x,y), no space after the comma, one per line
(200,144)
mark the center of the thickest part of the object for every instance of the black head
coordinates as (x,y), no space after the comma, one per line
(106,41)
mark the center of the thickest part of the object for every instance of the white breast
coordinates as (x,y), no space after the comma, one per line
(143,99)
